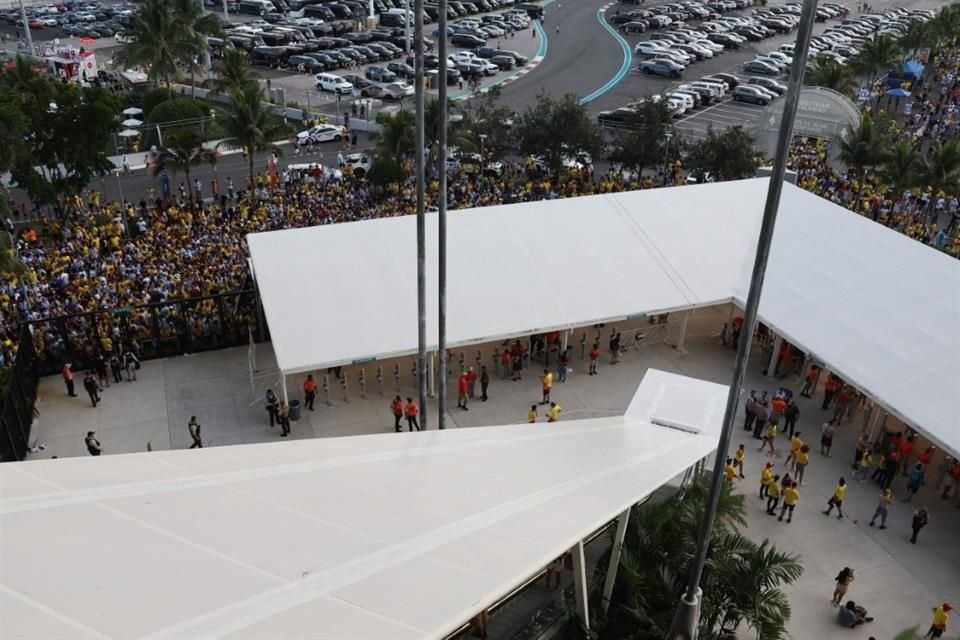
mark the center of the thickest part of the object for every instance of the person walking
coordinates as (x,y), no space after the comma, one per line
(738,458)
(791,497)
(93,445)
(913,483)
(826,437)
(554,414)
(921,518)
(730,471)
(562,364)
(811,378)
(194,427)
(309,391)
(532,414)
(778,407)
(547,386)
(411,410)
(768,439)
(830,390)
(68,380)
(506,365)
(484,383)
(773,496)
(890,469)
(761,412)
(883,504)
(116,368)
(863,443)
(941,616)
(397,408)
(471,383)
(93,390)
(795,444)
(836,500)
(790,416)
(843,580)
(131,363)
(749,411)
(766,477)
(803,459)
(863,468)
(283,416)
(272,404)
(615,348)
(462,387)
(594,358)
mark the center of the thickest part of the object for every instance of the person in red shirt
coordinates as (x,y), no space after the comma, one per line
(594,358)
(505,363)
(471,382)
(906,449)
(411,410)
(462,386)
(309,391)
(829,391)
(807,391)
(397,408)
(68,379)
(844,397)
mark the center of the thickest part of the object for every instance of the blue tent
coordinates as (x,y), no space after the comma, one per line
(899,93)
(912,69)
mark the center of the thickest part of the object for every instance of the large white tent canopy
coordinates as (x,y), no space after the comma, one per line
(379,537)
(881,309)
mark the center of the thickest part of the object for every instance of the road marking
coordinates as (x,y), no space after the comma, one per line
(627,58)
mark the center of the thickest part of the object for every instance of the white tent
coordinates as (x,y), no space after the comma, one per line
(880,309)
(378,537)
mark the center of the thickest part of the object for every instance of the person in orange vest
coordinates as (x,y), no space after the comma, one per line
(397,407)
(309,391)
(594,358)
(68,379)
(411,410)
(807,390)
(462,386)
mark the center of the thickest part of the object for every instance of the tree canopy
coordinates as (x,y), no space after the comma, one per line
(558,128)
(649,131)
(728,155)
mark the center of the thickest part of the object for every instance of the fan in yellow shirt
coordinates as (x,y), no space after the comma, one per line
(554,412)
(738,457)
(532,414)
(941,616)
(766,478)
(773,497)
(791,496)
(836,500)
(795,444)
(730,471)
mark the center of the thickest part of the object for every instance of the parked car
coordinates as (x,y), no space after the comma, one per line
(754,95)
(323,133)
(401,69)
(662,67)
(767,83)
(380,74)
(759,66)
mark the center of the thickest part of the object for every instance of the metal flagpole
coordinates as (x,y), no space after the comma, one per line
(420,168)
(26,28)
(442,211)
(686,619)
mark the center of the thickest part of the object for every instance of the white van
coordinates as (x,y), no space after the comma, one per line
(332,82)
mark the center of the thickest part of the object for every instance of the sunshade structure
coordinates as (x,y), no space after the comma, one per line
(380,537)
(880,309)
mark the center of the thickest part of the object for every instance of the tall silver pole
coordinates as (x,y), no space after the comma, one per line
(226,12)
(686,620)
(406,27)
(442,212)
(26,28)
(420,168)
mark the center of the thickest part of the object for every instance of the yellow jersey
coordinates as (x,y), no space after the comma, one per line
(531,416)
(774,491)
(791,496)
(839,492)
(740,455)
(772,430)
(767,476)
(730,471)
(795,444)
(548,381)
(940,617)
(555,412)
(803,458)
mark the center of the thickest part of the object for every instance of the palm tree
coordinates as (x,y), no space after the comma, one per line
(861,149)
(249,126)
(941,169)
(829,73)
(901,166)
(919,36)
(233,71)
(183,149)
(878,55)
(396,135)
(947,24)
(458,134)
(195,25)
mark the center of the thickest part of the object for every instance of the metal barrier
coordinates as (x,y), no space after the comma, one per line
(18,393)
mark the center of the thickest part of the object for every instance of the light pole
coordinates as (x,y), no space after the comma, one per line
(687,617)
(26,28)
(420,168)
(666,155)
(442,212)
(406,27)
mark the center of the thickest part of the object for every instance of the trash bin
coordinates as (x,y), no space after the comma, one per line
(294,410)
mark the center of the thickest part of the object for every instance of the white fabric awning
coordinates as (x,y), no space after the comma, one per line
(378,537)
(878,307)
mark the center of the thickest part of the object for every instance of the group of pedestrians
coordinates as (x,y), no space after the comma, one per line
(106,364)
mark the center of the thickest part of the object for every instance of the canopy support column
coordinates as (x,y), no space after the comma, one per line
(433,375)
(580,584)
(566,340)
(283,386)
(774,356)
(867,416)
(728,328)
(614,560)
(682,340)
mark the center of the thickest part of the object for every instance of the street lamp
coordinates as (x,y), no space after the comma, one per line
(666,155)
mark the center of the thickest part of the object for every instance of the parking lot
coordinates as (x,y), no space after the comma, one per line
(728,113)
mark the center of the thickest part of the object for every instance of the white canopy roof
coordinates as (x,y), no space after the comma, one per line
(378,537)
(880,309)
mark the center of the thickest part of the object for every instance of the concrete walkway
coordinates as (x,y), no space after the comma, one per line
(897,581)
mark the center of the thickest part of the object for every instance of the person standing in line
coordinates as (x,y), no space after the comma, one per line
(830,390)
(773,496)
(811,378)
(93,445)
(921,518)
(554,414)
(532,414)
(594,358)
(826,437)
(778,407)
(890,469)
(93,390)
(484,383)
(272,404)
(803,459)
(116,368)
(863,443)
(906,450)
(795,444)
(397,408)
(547,386)
(100,364)
(843,579)
(738,458)
(471,383)
(836,500)
(913,483)
(462,387)
(791,497)
(766,477)
(761,414)
(615,348)
(790,416)
(506,365)
(749,411)
(283,415)
(562,364)
(863,468)
(309,391)
(68,380)
(194,427)
(941,616)
(411,410)
(883,504)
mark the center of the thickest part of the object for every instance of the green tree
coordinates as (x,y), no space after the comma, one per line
(649,130)
(741,583)
(940,170)
(489,124)
(947,25)
(861,149)
(13,126)
(877,56)
(233,71)
(729,155)
(249,125)
(830,74)
(458,132)
(385,170)
(901,166)
(557,129)
(920,35)
(182,150)
(396,135)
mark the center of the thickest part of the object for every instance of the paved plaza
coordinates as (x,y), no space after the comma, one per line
(897,581)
